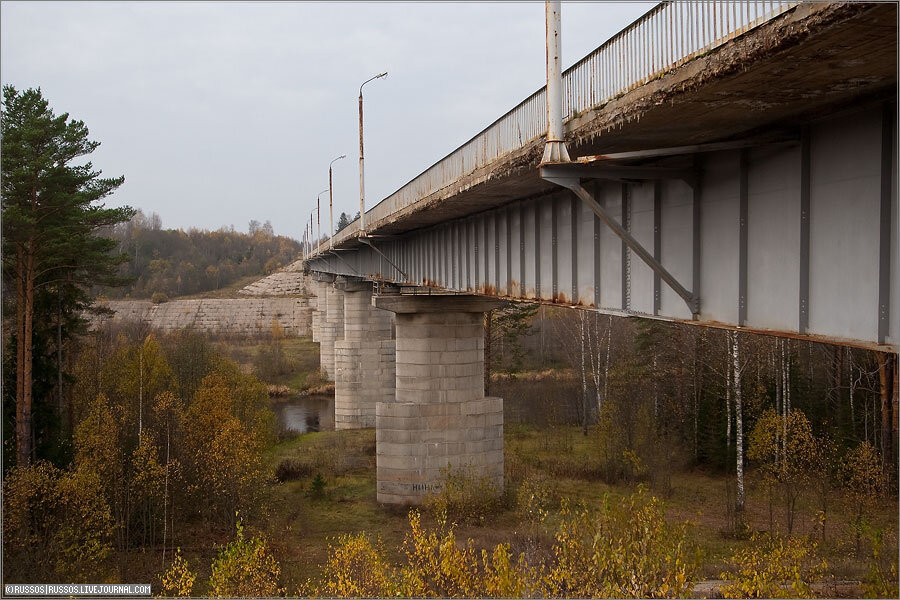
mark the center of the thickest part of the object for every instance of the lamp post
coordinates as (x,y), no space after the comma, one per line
(310,225)
(319,216)
(555,148)
(309,241)
(331,200)
(362,178)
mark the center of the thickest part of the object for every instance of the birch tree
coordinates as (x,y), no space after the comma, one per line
(739,421)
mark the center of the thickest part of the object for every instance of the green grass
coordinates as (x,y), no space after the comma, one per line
(304,526)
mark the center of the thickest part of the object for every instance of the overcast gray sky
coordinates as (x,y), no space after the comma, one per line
(222,112)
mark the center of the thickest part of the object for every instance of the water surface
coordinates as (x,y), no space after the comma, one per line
(301,414)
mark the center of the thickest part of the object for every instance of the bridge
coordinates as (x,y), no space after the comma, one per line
(732,165)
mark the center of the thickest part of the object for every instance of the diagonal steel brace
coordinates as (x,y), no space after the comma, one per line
(366,240)
(574,183)
(340,258)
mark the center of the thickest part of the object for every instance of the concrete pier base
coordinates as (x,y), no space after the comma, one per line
(440,418)
(363,360)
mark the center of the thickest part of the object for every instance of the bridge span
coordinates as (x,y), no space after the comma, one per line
(734,165)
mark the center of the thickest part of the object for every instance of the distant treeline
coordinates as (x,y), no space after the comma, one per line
(175,262)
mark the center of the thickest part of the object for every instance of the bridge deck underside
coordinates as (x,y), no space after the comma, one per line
(784,238)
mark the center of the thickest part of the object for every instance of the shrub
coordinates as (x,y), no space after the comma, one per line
(291,469)
(774,567)
(882,581)
(178,580)
(865,482)
(245,569)
(535,498)
(159,298)
(355,568)
(464,497)
(438,567)
(626,551)
(505,578)
(57,525)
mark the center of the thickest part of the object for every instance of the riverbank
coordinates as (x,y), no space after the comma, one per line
(305,521)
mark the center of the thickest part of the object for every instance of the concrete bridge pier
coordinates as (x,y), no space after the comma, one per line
(318,305)
(331,330)
(439,417)
(363,360)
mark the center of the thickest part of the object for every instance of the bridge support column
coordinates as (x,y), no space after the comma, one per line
(440,417)
(363,360)
(318,312)
(331,330)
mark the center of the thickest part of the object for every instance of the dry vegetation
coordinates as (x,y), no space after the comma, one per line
(631,509)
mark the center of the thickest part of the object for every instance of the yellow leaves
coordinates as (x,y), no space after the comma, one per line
(439,567)
(178,580)
(224,451)
(57,525)
(534,499)
(882,581)
(627,550)
(774,567)
(634,462)
(436,567)
(245,569)
(97,441)
(147,471)
(356,569)
(141,371)
(863,473)
(785,445)
(504,578)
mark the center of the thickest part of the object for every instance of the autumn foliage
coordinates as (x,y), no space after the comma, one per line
(625,550)
(774,567)
(147,462)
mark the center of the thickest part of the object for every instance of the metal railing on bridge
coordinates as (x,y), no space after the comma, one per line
(668,35)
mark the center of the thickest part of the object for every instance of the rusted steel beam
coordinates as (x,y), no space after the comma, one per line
(691,149)
(617,172)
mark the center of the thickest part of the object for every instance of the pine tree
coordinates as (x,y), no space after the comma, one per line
(49,223)
(343,221)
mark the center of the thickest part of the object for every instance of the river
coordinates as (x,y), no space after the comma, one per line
(302,414)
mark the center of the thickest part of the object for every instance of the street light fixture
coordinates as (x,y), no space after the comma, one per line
(362,179)
(331,200)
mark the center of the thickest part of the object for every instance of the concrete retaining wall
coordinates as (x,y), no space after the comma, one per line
(250,316)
